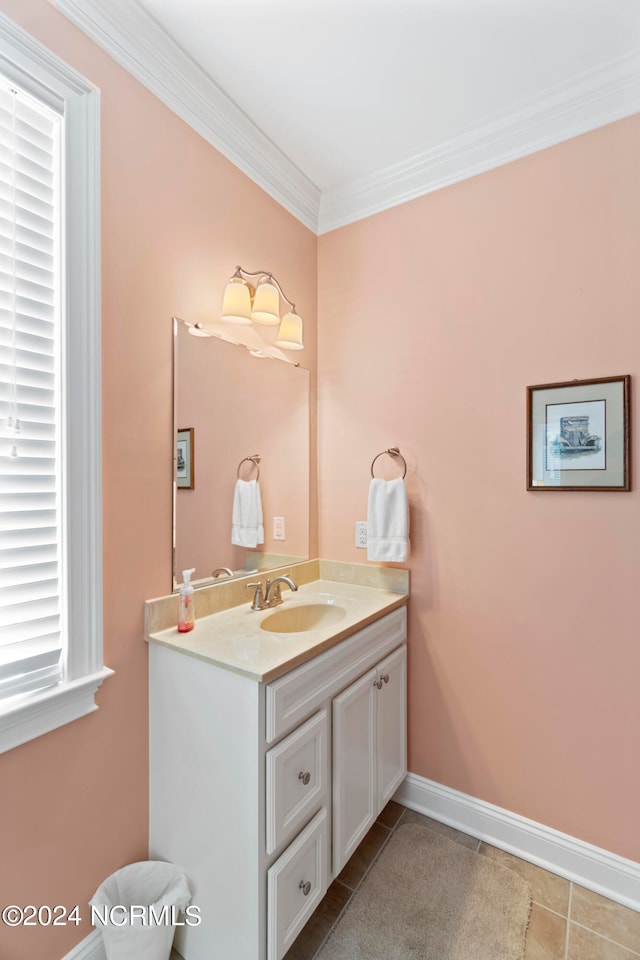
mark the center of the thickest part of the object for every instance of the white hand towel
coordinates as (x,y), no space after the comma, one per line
(388,521)
(246,519)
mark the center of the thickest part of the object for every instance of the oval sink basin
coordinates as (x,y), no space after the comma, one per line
(303,616)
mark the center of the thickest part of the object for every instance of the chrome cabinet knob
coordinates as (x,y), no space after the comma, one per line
(305,777)
(305,886)
(385,677)
(378,684)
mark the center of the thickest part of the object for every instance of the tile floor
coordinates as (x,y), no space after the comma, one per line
(567,922)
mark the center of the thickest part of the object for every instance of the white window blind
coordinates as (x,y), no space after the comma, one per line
(31,538)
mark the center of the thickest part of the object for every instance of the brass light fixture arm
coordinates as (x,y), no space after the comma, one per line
(242,274)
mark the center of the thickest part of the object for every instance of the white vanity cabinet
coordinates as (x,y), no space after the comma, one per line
(260,791)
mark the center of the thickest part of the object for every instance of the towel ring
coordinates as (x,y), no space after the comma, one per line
(393,452)
(255,460)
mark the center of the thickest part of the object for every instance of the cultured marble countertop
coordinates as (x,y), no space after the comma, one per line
(233,639)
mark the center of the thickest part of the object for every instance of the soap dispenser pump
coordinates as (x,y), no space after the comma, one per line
(186,619)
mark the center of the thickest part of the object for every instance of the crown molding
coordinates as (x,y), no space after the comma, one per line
(134,40)
(128,34)
(592,99)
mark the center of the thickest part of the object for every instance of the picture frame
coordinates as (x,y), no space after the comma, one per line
(578,435)
(185,459)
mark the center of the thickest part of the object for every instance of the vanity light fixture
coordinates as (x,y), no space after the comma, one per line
(244,304)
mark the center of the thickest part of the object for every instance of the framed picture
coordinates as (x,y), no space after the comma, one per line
(578,435)
(185,460)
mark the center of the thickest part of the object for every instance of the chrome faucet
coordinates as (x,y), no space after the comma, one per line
(220,570)
(273,587)
(272,595)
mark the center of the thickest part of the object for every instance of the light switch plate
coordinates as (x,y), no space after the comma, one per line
(278,528)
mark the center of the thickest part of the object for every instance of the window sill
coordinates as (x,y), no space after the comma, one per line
(50,710)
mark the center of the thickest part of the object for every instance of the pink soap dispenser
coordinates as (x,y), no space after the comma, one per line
(186,617)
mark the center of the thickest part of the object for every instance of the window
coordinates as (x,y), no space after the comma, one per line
(50,495)
(31,573)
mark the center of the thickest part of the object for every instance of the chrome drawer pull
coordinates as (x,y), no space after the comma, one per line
(305,777)
(305,886)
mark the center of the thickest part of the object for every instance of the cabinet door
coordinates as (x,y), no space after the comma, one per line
(391,725)
(354,766)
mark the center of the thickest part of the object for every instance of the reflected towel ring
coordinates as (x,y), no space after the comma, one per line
(393,452)
(255,460)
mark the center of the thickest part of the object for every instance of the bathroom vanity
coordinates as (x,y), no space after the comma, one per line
(274,745)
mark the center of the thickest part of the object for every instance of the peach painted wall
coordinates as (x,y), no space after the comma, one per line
(176,219)
(434,317)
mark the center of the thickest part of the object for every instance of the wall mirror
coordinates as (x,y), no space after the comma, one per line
(229,405)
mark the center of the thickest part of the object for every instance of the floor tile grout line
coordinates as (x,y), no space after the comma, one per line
(567,932)
(332,928)
(603,936)
(543,906)
(376,857)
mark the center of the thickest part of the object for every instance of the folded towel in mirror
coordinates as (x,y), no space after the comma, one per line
(246,520)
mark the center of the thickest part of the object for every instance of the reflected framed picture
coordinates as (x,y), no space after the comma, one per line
(185,474)
(578,435)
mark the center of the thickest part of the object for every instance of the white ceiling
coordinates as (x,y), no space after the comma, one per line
(364,103)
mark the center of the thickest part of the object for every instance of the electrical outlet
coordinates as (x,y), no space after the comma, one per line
(361,533)
(278,528)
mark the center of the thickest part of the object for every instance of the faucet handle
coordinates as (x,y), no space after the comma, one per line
(258,602)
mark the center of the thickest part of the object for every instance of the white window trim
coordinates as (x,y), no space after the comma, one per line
(30,65)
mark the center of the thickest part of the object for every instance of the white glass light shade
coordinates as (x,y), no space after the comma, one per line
(266,304)
(290,332)
(236,306)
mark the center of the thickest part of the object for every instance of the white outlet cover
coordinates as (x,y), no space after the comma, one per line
(361,534)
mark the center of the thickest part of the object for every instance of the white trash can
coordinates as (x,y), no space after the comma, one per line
(137,907)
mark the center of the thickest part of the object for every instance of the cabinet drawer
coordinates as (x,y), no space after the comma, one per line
(296,883)
(296,780)
(295,696)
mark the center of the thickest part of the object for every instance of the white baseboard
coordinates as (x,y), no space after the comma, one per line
(91,948)
(606,873)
